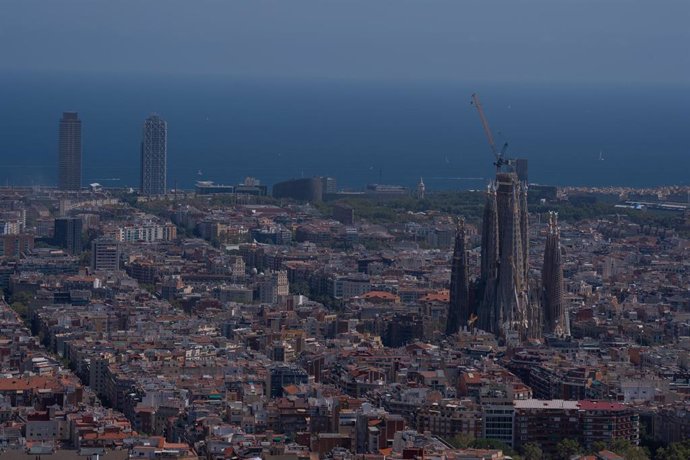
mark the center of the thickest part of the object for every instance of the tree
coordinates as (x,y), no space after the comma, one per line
(148,287)
(461,441)
(532,451)
(628,450)
(21,309)
(676,451)
(20,303)
(300,287)
(647,439)
(598,446)
(22,296)
(567,448)
(85,257)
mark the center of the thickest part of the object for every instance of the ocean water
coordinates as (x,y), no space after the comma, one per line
(223,129)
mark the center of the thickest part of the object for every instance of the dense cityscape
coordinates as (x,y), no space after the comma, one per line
(303,321)
(344,230)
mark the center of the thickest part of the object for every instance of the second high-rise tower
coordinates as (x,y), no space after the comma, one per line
(154,156)
(69,152)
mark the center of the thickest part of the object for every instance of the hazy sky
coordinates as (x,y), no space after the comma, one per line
(598,41)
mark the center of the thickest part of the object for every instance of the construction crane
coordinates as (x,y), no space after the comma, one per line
(498,155)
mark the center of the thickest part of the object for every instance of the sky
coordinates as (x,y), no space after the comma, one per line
(532,41)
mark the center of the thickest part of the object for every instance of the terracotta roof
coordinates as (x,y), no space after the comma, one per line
(608,455)
(27,383)
(291,389)
(471,377)
(601,405)
(380,295)
(107,436)
(438,296)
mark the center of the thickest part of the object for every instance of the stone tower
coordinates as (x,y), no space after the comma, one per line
(505,308)
(555,321)
(459,306)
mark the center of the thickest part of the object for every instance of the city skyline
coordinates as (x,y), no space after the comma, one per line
(350,265)
(305,137)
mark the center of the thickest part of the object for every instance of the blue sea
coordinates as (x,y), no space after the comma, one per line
(360,132)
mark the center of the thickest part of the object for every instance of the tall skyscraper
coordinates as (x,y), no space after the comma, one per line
(505,309)
(154,156)
(555,319)
(459,307)
(69,152)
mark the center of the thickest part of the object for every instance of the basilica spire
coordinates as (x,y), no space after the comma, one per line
(459,305)
(555,321)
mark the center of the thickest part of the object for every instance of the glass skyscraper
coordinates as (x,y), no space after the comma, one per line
(154,156)
(69,156)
